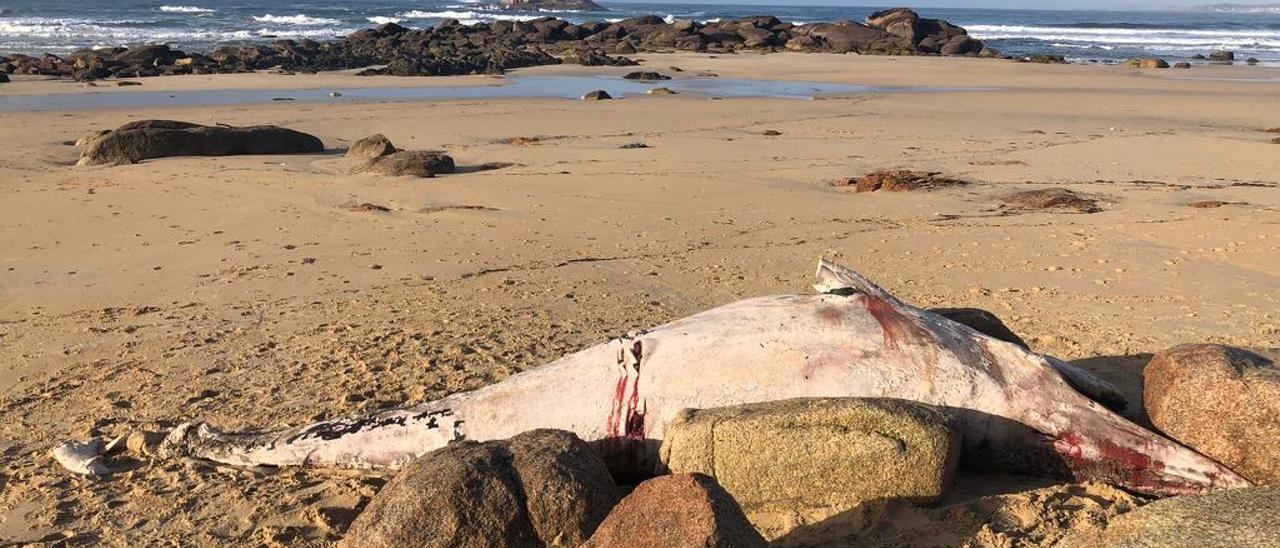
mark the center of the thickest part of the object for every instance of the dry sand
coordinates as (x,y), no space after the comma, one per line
(246,292)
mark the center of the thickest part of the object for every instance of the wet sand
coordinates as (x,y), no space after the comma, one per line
(246,291)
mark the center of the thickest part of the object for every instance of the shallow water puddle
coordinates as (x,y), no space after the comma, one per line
(515,87)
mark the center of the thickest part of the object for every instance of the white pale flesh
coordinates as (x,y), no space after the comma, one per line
(856,343)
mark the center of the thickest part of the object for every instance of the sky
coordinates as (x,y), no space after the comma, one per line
(1015,4)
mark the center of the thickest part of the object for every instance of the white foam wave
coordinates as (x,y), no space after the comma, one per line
(469,17)
(1152,39)
(186,9)
(298,19)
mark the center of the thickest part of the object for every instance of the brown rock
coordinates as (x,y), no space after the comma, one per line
(544,487)
(1233,518)
(900,22)
(676,511)
(1221,401)
(797,454)
(1052,198)
(900,180)
(596,95)
(373,146)
(1147,63)
(414,163)
(146,139)
(461,496)
(567,488)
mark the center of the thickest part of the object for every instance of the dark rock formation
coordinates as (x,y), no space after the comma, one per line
(551,5)
(596,95)
(451,48)
(146,139)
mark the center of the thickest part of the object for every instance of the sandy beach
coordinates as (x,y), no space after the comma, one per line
(246,291)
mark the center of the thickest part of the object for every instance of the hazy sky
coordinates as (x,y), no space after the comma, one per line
(1020,4)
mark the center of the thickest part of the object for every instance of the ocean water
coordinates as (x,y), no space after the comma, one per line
(60,26)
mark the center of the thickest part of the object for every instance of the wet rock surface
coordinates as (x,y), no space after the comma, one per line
(452,48)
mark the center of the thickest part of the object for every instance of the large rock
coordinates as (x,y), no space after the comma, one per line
(900,22)
(1221,401)
(1234,518)
(544,487)
(808,453)
(680,510)
(411,163)
(373,146)
(143,140)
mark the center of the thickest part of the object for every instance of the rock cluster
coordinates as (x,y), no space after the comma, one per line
(381,157)
(452,48)
(147,139)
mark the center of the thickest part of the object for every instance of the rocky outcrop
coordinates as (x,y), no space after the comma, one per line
(373,146)
(1221,401)
(1231,518)
(1222,56)
(901,180)
(1052,198)
(540,488)
(677,510)
(147,139)
(596,95)
(551,5)
(452,48)
(409,163)
(817,453)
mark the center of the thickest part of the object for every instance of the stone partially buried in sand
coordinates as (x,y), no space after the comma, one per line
(826,452)
(543,487)
(1231,518)
(1221,401)
(677,510)
(413,163)
(373,146)
(146,139)
(596,95)
(901,180)
(1052,198)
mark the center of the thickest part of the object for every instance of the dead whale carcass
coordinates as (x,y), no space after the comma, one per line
(1017,409)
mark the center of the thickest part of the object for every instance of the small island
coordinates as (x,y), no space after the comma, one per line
(551,5)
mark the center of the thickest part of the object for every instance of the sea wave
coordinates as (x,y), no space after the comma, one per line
(186,9)
(1113,32)
(378,20)
(468,17)
(299,19)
